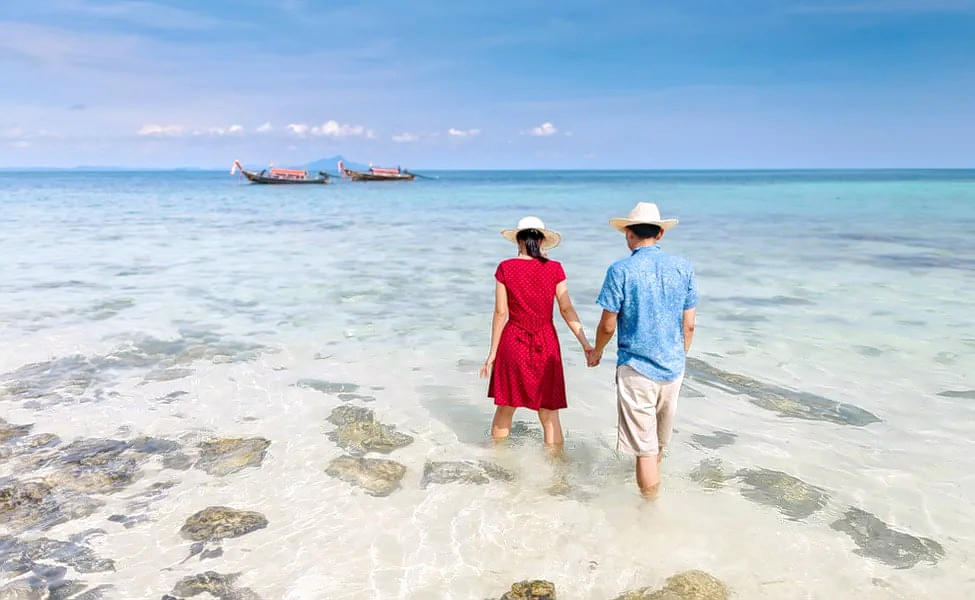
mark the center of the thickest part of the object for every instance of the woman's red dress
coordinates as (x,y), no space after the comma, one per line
(528,366)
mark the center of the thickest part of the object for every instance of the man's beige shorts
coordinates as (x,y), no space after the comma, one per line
(646,411)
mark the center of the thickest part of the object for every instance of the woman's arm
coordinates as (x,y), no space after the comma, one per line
(497,326)
(569,314)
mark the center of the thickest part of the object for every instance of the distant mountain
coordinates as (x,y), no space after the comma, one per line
(330,164)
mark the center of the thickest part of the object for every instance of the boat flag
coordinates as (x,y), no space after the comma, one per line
(236,166)
(341,170)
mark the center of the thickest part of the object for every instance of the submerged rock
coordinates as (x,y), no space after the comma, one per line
(462,471)
(451,471)
(793,497)
(714,440)
(81,378)
(35,504)
(101,592)
(104,478)
(969,394)
(82,558)
(26,503)
(65,377)
(31,588)
(343,415)
(875,539)
(217,585)
(369,436)
(359,397)
(689,585)
(378,476)
(785,402)
(220,522)
(92,451)
(177,462)
(9,432)
(710,474)
(128,521)
(358,431)
(229,455)
(169,374)
(496,471)
(327,387)
(522,431)
(152,445)
(536,589)
(66,589)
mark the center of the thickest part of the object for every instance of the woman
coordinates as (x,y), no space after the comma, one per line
(525,363)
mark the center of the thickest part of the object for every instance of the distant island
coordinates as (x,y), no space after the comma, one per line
(330,164)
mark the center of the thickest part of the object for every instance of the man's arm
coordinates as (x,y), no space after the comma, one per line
(688,326)
(604,333)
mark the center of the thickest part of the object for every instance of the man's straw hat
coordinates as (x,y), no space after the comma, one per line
(552,238)
(645,213)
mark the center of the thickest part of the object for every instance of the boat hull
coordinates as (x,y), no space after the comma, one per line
(258,178)
(363,176)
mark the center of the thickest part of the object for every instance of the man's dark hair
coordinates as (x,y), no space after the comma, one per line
(644,230)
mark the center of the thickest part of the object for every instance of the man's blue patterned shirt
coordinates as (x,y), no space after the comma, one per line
(650,290)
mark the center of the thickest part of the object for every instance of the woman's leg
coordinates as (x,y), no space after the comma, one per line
(551,426)
(501,426)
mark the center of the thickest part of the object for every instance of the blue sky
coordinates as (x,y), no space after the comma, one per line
(525,84)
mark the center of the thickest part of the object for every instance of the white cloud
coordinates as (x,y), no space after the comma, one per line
(405,137)
(463,132)
(20,144)
(221,131)
(299,129)
(160,130)
(333,128)
(265,128)
(544,130)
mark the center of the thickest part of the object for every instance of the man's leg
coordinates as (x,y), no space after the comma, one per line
(501,426)
(637,431)
(666,413)
(648,475)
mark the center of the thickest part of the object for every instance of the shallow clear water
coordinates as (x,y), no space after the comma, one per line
(816,287)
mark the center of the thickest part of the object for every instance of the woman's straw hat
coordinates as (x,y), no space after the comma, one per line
(644,213)
(552,238)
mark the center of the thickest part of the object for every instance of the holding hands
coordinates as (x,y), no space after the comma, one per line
(593,356)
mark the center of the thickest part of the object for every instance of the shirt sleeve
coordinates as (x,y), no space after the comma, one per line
(499,274)
(690,301)
(559,273)
(611,296)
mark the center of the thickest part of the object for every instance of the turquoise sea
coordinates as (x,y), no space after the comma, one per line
(825,431)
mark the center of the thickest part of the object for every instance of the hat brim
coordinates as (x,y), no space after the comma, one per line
(622,223)
(552,238)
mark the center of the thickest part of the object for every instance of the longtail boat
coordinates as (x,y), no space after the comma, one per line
(377,174)
(275,175)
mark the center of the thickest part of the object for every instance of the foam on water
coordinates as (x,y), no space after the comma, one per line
(829,400)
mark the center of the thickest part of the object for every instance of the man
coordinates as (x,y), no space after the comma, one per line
(651,296)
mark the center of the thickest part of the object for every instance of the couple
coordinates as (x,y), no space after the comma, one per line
(650,297)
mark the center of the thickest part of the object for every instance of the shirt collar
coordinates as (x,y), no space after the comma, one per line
(648,248)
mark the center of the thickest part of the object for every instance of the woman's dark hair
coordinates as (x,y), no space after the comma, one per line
(645,231)
(532,239)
